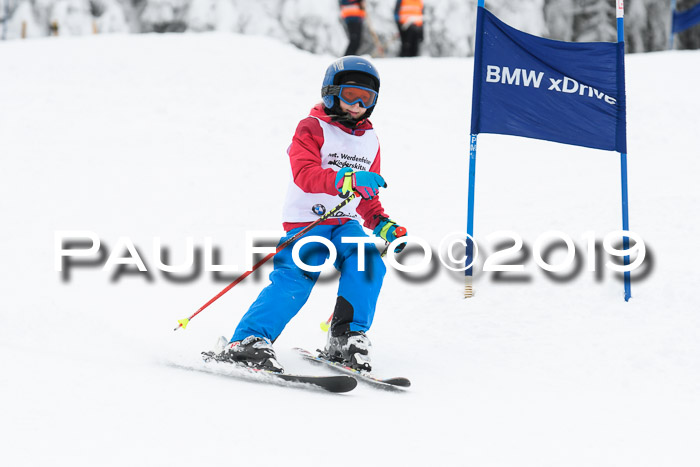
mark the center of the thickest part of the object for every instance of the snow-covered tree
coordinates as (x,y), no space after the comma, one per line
(690,38)
(449,28)
(111,17)
(164,16)
(263,18)
(647,25)
(594,20)
(559,15)
(314,25)
(646,22)
(72,17)
(201,15)
(22,17)
(7,9)
(525,15)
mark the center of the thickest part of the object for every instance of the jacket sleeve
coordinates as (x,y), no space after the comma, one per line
(305,159)
(371,210)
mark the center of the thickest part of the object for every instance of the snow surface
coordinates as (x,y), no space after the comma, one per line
(185,135)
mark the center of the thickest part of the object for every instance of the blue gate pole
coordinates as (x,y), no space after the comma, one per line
(469,257)
(673,13)
(623,164)
(625,224)
(476,91)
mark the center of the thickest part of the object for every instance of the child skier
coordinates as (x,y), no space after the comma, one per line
(333,153)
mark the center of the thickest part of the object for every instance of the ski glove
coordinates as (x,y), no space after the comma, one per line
(390,231)
(365,183)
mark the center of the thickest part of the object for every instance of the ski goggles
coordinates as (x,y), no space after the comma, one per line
(352,94)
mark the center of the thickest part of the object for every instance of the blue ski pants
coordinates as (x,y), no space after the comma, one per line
(291,286)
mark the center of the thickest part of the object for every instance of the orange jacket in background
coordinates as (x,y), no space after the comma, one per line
(410,11)
(352,8)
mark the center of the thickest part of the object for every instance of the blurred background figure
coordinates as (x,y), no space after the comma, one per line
(312,25)
(353,13)
(409,17)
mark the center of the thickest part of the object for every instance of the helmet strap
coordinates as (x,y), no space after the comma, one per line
(337,115)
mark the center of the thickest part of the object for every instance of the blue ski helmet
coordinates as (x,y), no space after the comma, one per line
(343,66)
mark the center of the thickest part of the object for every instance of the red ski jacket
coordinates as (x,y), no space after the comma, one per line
(319,149)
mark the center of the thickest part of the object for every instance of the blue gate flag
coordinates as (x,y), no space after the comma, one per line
(683,20)
(566,92)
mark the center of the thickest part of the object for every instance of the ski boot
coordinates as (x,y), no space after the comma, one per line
(350,349)
(253,352)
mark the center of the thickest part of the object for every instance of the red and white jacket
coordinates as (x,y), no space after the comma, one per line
(319,149)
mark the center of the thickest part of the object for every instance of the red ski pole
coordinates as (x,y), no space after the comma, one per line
(182,323)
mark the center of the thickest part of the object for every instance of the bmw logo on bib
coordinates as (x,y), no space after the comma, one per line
(319,209)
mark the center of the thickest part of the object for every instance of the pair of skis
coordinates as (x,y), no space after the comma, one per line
(338,384)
